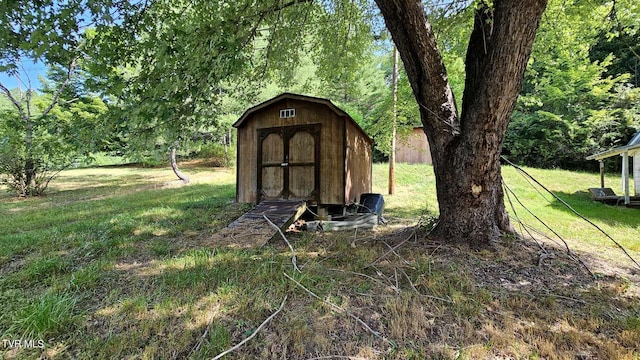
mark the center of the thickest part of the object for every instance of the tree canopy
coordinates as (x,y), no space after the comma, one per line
(575,101)
(170,67)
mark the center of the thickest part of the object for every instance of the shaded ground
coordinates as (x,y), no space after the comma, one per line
(426,299)
(142,279)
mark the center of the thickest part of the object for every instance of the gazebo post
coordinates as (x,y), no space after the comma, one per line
(601,173)
(636,173)
(625,177)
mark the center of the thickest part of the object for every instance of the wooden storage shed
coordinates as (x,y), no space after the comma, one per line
(296,147)
(414,148)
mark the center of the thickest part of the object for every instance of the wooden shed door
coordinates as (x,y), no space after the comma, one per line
(289,162)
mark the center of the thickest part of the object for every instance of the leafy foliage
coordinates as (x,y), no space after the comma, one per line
(620,41)
(570,106)
(171,68)
(51,31)
(40,138)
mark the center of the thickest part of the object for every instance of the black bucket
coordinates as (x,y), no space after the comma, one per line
(371,203)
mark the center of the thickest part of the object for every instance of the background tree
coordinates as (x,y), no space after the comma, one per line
(49,32)
(571,104)
(44,132)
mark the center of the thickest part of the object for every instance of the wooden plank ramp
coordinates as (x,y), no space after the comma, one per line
(251,230)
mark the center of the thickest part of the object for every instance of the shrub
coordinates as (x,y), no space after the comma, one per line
(24,175)
(215,154)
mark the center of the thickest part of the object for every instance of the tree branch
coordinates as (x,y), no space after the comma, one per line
(13,100)
(293,253)
(56,96)
(254,333)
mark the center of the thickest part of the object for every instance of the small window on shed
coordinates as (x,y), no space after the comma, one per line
(287,113)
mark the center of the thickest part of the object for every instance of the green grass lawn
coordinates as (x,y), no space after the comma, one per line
(416,195)
(116,262)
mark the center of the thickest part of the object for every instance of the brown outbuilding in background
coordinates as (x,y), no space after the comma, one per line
(414,148)
(296,147)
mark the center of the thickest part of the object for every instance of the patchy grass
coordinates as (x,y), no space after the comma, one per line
(117,263)
(416,195)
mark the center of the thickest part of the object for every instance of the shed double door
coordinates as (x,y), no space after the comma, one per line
(289,162)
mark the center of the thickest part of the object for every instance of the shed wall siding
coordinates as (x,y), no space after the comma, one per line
(246,182)
(357,165)
(331,147)
(414,149)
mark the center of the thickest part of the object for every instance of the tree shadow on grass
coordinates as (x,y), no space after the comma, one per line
(449,302)
(612,215)
(218,297)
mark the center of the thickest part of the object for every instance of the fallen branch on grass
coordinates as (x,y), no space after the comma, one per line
(254,333)
(339,309)
(393,249)
(567,298)
(293,253)
(382,275)
(360,274)
(396,254)
(202,338)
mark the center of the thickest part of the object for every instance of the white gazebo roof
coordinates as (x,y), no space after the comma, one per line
(631,148)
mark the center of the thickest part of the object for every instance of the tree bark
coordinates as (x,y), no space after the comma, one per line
(394,94)
(174,166)
(29,161)
(466,148)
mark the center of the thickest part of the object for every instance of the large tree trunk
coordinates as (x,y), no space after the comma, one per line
(394,95)
(466,149)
